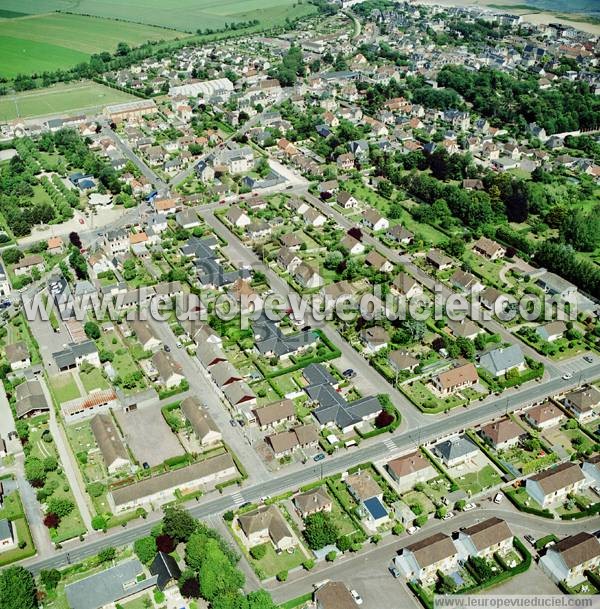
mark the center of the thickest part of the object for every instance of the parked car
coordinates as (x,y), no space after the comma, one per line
(448,516)
(178,345)
(567,376)
(469,506)
(357,597)
(232,422)
(349,373)
(167,348)
(412,530)
(319,457)
(394,571)
(498,498)
(588,358)
(530,539)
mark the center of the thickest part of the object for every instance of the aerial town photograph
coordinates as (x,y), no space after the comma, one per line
(299,304)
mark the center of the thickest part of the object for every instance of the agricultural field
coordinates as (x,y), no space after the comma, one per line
(38,43)
(60,99)
(183,15)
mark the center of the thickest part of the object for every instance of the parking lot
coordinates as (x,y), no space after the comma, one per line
(148,435)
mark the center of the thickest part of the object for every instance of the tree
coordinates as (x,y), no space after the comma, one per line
(12,255)
(258,552)
(178,523)
(384,419)
(50,578)
(165,543)
(51,520)
(92,330)
(107,554)
(34,471)
(481,568)
(260,599)
(217,575)
(17,589)
(320,530)
(75,240)
(60,506)
(145,549)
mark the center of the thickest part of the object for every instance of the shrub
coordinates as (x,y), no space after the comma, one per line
(331,556)
(165,543)
(282,576)
(95,489)
(98,523)
(258,552)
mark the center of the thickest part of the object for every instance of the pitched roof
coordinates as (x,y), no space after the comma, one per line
(199,418)
(577,549)
(108,439)
(455,447)
(335,595)
(458,376)
(16,352)
(488,533)
(165,567)
(502,430)
(584,399)
(363,485)
(408,464)
(266,517)
(403,360)
(432,549)
(238,392)
(315,499)
(30,397)
(276,411)
(556,478)
(543,412)
(504,358)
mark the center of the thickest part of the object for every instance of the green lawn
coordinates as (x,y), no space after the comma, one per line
(72,525)
(93,380)
(47,42)
(138,603)
(64,387)
(71,97)
(122,362)
(273,563)
(477,482)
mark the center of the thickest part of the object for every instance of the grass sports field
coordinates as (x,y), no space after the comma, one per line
(67,98)
(184,15)
(46,42)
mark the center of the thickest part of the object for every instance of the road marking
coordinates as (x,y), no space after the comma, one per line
(390,444)
(237,499)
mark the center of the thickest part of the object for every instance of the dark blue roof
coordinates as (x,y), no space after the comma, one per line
(375,508)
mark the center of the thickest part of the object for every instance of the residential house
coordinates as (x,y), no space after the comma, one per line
(439,260)
(109,442)
(378,262)
(583,403)
(503,433)
(275,413)
(500,361)
(455,450)
(401,360)
(374,338)
(346,200)
(313,501)
(410,469)
(467,282)
(30,399)
(372,219)
(204,426)
(591,470)
(405,285)
(55,245)
(551,486)
(421,561)
(306,276)
(353,245)
(571,558)
(544,415)
(239,393)
(237,217)
(286,442)
(8,538)
(312,217)
(145,335)
(74,354)
(368,494)
(29,263)
(17,355)
(489,248)
(551,331)
(334,595)
(487,537)
(169,371)
(458,378)
(116,242)
(465,328)
(400,234)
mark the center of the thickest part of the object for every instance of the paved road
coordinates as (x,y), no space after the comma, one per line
(411,416)
(202,386)
(422,277)
(286,481)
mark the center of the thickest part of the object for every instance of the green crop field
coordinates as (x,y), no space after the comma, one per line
(185,15)
(58,99)
(48,42)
